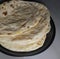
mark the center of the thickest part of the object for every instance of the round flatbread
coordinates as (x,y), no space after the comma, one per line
(24,26)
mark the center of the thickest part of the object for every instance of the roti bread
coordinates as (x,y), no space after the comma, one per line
(25,25)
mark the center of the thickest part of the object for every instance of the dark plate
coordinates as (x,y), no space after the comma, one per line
(47,43)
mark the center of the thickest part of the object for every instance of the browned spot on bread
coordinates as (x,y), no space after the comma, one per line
(20,37)
(33,32)
(39,43)
(12,5)
(2,7)
(5,13)
(27,26)
(9,33)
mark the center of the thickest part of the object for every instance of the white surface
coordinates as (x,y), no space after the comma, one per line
(53,52)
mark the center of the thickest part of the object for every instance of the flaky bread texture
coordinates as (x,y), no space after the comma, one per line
(27,22)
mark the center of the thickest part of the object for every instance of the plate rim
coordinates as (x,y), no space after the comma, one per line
(31,53)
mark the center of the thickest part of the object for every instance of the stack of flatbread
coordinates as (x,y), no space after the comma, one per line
(23,25)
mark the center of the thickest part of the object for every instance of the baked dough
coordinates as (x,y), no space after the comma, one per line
(23,25)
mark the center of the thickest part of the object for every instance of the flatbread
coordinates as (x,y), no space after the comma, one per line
(25,26)
(18,47)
